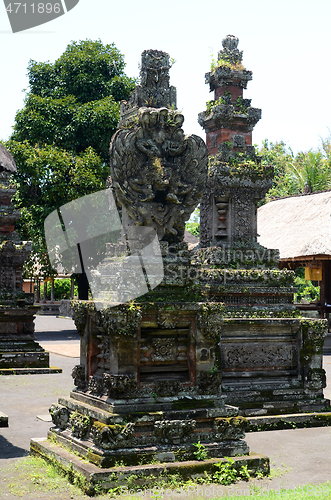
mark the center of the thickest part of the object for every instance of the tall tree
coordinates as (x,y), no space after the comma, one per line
(279,156)
(74,102)
(61,137)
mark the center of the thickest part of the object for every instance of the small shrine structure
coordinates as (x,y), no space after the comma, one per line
(148,386)
(218,338)
(19,351)
(270,358)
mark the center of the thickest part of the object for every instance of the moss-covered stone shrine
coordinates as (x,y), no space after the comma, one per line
(219,338)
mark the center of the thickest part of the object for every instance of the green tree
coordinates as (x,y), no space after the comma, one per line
(74,102)
(305,172)
(61,136)
(193,224)
(279,156)
(309,172)
(48,177)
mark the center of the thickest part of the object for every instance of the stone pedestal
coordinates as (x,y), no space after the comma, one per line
(148,391)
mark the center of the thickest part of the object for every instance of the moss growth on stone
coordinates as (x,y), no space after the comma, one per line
(313,334)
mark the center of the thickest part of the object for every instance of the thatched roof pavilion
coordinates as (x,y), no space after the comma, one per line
(300,227)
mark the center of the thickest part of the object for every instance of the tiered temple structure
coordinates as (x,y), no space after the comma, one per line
(270,360)
(148,387)
(228,209)
(19,351)
(157,375)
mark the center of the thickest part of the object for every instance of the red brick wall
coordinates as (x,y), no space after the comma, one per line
(234,91)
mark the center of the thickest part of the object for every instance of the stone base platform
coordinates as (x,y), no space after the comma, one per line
(271,400)
(90,476)
(285,421)
(106,431)
(19,350)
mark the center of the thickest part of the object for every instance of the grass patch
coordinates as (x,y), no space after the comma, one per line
(32,478)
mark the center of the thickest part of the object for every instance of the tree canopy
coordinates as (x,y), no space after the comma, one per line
(61,136)
(48,177)
(74,102)
(305,172)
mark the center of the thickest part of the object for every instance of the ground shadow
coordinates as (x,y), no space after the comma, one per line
(56,336)
(8,450)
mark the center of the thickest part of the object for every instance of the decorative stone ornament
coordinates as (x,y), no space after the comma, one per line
(109,437)
(158,174)
(118,385)
(174,431)
(230,52)
(154,89)
(60,416)
(78,374)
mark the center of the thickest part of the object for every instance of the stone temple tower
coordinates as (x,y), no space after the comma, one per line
(237,180)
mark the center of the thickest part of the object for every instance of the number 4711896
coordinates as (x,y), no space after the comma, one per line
(40,8)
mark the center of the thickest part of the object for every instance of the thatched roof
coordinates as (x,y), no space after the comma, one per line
(299,226)
(6,160)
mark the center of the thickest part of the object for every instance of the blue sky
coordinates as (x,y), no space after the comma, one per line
(286,44)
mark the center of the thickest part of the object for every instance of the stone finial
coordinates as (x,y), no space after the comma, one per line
(155,81)
(154,90)
(230,42)
(155,61)
(230,51)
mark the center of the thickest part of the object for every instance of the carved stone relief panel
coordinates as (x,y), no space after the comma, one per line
(258,355)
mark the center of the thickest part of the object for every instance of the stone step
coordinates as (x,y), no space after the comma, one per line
(285,407)
(273,422)
(14,360)
(142,475)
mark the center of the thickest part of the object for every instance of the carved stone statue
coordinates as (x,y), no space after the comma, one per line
(158,174)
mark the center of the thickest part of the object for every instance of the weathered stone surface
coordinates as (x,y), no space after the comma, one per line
(79,376)
(118,385)
(154,89)
(158,174)
(60,416)
(174,431)
(110,437)
(144,475)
